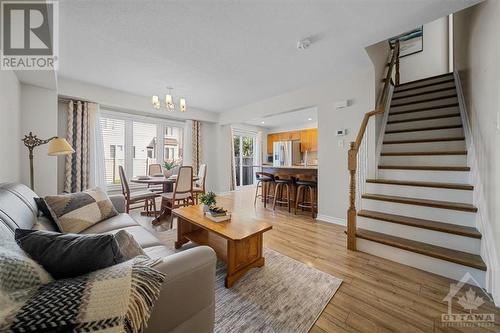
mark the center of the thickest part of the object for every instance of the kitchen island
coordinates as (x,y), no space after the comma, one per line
(294,170)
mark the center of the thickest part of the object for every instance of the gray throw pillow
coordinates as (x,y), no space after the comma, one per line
(69,255)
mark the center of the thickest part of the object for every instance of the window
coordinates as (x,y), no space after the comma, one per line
(144,141)
(244,148)
(113,133)
(132,142)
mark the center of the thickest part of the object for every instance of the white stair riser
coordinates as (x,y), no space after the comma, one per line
(424,82)
(426,113)
(431,134)
(431,193)
(425,160)
(426,96)
(425,123)
(455,177)
(423,262)
(424,146)
(415,106)
(443,239)
(422,212)
(425,89)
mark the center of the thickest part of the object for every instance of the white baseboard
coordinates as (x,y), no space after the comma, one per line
(331,219)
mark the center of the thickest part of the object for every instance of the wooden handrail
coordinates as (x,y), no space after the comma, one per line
(352,156)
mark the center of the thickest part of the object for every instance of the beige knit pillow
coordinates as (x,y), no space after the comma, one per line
(75,212)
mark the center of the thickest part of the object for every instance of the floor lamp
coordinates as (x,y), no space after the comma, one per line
(57,146)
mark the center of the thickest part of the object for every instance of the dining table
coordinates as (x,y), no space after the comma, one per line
(167,184)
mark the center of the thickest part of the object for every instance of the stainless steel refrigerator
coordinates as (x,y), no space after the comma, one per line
(286,153)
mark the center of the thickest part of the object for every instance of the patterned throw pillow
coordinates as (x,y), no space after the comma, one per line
(78,211)
(20,276)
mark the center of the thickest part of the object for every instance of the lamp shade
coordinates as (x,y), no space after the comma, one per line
(59,146)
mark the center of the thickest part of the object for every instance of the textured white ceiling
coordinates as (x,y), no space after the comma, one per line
(221,54)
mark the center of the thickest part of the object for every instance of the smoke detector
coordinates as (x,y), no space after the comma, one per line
(303,43)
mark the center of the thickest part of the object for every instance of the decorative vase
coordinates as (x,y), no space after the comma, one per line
(168,173)
(206,208)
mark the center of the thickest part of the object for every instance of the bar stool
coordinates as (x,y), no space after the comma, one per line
(264,181)
(304,187)
(281,182)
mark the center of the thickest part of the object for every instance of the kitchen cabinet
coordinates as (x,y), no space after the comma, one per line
(308,139)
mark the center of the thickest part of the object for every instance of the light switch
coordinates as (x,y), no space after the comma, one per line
(340,143)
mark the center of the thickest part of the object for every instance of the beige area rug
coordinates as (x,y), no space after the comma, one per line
(284,296)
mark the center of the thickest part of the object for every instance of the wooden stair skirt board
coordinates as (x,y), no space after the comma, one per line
(457,257)
(424,79)
(422,202)
(395,97)
(450,186)
(424,153)
(450,115)
(433,128)
(403,89)
(395,142)
(428,168)
(424,100)
(422,223)
(427,108)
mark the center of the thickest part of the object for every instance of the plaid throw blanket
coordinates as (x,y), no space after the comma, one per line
(114,299)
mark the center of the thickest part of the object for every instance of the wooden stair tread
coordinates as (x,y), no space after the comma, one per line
(425,100)
(425,167)
(422,202)
(458,257)
(425,153)
(427,108)
(421,223)
(395,142)
(420,129)
(451,186)
(449,115)
(424,79)
(403,89)
(422,93)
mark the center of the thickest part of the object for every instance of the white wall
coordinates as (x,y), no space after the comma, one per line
(476,58)
(333,175)
(39,115)
(433,60)
(11,146)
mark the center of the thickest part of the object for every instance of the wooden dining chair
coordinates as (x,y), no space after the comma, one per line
(199,185)
(132,198)
(155,169)
(182,194)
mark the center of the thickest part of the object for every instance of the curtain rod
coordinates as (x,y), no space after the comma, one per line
(68,99)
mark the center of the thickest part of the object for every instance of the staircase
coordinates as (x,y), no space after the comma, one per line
(419,211)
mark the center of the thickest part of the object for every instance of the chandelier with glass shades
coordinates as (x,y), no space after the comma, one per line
(169,102)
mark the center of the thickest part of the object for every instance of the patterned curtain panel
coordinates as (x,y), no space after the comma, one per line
(77,164)
(196,145)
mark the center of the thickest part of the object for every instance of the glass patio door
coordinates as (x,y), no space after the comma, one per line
(244,157)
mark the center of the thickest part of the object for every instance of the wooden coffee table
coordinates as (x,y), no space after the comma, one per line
(237,242)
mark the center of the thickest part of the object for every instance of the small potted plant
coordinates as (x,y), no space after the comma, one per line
(169,168)
(208,200)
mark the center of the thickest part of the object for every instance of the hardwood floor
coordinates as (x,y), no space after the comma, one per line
(376,295)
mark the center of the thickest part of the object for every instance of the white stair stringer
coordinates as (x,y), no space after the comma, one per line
(420,261)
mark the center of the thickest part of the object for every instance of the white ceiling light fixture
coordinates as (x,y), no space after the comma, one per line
(310,119)
(169,102)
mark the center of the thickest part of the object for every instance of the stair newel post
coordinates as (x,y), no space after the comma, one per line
(396,49)
(351,212)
